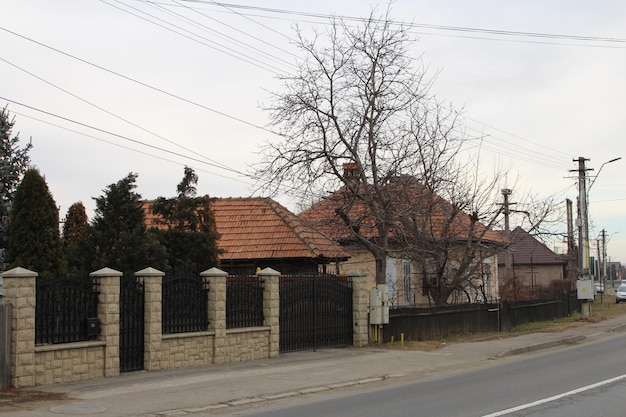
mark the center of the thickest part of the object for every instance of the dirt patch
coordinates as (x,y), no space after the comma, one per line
(12,398)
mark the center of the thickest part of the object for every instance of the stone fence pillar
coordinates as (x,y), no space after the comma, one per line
(20,287)
(271,307)
(217,311)
(360,308)
(153,317)
(109,315)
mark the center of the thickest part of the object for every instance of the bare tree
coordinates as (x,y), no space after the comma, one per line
(360,101)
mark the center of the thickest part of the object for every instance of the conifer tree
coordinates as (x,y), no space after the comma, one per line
(119,234)
(76,234)
(34,239)
(13,162)
(188,228)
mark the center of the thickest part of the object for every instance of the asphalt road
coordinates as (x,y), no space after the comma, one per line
(583,380)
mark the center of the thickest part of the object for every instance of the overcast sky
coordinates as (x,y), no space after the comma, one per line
(109,87)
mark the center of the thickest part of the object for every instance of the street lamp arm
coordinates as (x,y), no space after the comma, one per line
(602,166)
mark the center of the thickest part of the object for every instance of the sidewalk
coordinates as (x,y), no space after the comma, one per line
(191,391)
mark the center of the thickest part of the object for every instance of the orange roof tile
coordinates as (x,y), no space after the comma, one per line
(261,228)
(323,215)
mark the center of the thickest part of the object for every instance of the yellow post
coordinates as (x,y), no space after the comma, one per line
(401,339)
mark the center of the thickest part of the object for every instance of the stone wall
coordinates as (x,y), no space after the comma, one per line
(33,365)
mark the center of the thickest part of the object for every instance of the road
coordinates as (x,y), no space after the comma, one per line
(583,380)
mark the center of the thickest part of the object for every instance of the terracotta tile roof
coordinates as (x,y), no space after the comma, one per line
(322,216)
(527,250)
(261,228)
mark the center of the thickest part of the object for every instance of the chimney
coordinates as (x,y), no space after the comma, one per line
(351,171)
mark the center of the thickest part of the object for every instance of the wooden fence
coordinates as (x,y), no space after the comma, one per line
(5,346)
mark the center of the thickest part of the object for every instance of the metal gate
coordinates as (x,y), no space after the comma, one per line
(315,312)
(131,324)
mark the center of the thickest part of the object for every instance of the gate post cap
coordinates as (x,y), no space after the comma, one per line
(268,271)
(214,272)
(149,272)
(19,272)
(106,272)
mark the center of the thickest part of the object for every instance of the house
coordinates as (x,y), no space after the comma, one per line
(256,233)
(410,279)
(533,265)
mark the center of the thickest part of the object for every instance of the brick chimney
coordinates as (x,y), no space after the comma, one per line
(351,171)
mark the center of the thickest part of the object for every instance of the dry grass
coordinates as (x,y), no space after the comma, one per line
(603,308)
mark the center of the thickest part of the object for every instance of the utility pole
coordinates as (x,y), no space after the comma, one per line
(572,263)
(584,285)
(604,257)
(508,265)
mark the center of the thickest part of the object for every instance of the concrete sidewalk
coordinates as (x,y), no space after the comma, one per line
(200,390)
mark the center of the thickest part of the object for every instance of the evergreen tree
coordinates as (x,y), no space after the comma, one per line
(187,227)
(119,235)
(13,162)
(34,239)
(76,242)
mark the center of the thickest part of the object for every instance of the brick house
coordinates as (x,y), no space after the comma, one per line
(533,264)
(406,282)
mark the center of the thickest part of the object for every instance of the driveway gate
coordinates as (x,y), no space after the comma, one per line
(315,312)
(131,324)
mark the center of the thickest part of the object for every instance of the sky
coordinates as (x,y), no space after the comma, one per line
(105,88)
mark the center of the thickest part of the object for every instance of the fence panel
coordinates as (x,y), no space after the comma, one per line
(185,304)
(439,322)
(64,305)
(5,346)
(315,312)
(244,301)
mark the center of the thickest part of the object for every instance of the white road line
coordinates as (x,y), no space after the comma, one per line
(555,397)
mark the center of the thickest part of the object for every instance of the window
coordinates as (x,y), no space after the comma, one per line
(407,283)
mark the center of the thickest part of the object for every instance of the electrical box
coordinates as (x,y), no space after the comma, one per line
(585,289)
(376,304)
(379,305)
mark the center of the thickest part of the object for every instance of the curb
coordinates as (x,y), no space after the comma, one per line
(544,345)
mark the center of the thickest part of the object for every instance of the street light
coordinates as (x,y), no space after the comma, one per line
(602,166)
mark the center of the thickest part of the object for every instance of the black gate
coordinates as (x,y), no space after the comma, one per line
(315,312)
(131,324)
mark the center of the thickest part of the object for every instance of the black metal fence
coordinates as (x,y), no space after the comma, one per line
(244,301)
(66,309)
(5,346)
(185,303)
(315,312)
(440,322)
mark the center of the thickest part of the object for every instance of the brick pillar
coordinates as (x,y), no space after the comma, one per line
(153,318)
(109,316)
(360,301)
(271,308)
(20,291)
(217,311)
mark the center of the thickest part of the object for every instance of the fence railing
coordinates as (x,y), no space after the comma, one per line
(5,346)
(63,308)
(185,304)
(244,301)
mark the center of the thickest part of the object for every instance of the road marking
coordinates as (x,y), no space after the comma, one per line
(556,397)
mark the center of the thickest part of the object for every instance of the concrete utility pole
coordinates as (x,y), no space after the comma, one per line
(584,284)
(572,263)
(583,220)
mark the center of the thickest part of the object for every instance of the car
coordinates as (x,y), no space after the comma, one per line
(620,294)
(599,287)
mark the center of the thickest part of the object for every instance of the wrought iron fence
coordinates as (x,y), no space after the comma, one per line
(244,301)
(185,303)
(66,309)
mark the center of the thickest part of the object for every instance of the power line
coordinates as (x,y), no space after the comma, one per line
(140,82)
